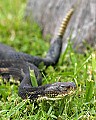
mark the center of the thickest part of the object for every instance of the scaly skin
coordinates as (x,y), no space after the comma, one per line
(17,64)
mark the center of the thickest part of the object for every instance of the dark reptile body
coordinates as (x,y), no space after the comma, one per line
(17,64)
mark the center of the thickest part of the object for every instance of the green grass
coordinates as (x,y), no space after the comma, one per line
(81,69)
